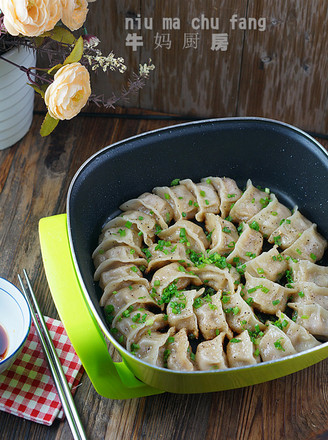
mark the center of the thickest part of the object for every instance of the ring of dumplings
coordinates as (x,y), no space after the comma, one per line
(203,276)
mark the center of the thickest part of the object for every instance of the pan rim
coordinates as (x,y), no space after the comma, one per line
(74,258)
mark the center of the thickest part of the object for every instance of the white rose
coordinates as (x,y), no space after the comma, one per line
(69,92)
(74,13)
(30,17)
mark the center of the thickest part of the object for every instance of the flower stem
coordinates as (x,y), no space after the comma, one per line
(28,71)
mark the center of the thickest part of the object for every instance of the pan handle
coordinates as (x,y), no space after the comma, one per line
(110,379)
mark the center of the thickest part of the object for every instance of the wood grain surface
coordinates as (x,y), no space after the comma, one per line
(34,178)
(279,72)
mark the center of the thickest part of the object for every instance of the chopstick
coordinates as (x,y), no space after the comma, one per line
(54,363)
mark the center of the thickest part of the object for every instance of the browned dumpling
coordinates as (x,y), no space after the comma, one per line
(249,204)
(188,233)
(228,192)
(218,279)
(270,216)
(173,273)
(304,270)
(151,346)
(240,316)
(145,224)
(123,298)
(165,252)
(180,311)
(210,354)
(180,199)
(265,295)
(116,236)
(270,265)
(247,247)
(153,205)
(298,335)
(242,351)
(307,293)
(223,234)
(309,246)
(211,317)
(275,344)
(313,318)
(117,255)
(290,229)
(206,198)
(179,353)
(131,330)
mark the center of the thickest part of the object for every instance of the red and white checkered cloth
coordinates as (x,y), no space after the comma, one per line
(27,388)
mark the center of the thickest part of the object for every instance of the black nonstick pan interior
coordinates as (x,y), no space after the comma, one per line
(270,153)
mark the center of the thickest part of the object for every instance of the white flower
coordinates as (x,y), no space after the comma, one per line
(30,17)
(69,92)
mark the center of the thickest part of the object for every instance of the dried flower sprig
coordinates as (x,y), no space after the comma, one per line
(46,26)
(136,83)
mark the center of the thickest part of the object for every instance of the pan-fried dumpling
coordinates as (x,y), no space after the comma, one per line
(275,344)
(308,293)
(206,197)
(210,316)
(290,229)
(270,216)
(309,246)
(218,279)
(181,200)
(249,204)
(152,345)
(304,270)
(117,236)
(188,233)
(180,311)
(165,252)
(153,205)
(270,265)
(116,255)
(241,351)
(116,282)
(210,354)
(223,234)
(247,247)
(174,275)
(128,330)
(265,295)
(239,314)
(144,223)
(119,271)
(313,317)
(228,192)
(299,336)
(178,353)
(125,297)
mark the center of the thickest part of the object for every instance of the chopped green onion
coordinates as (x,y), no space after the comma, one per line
(175,182)
(254,225)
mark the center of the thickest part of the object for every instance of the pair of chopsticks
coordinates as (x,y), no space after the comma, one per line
(54,362)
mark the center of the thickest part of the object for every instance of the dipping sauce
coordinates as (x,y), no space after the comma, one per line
(4,343)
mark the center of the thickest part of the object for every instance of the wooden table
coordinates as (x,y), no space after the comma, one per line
(34,178)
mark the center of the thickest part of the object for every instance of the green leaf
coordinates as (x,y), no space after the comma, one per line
(41,92)
(54,69)
(48,125)
(76,54)
(38,41)
(60,34)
